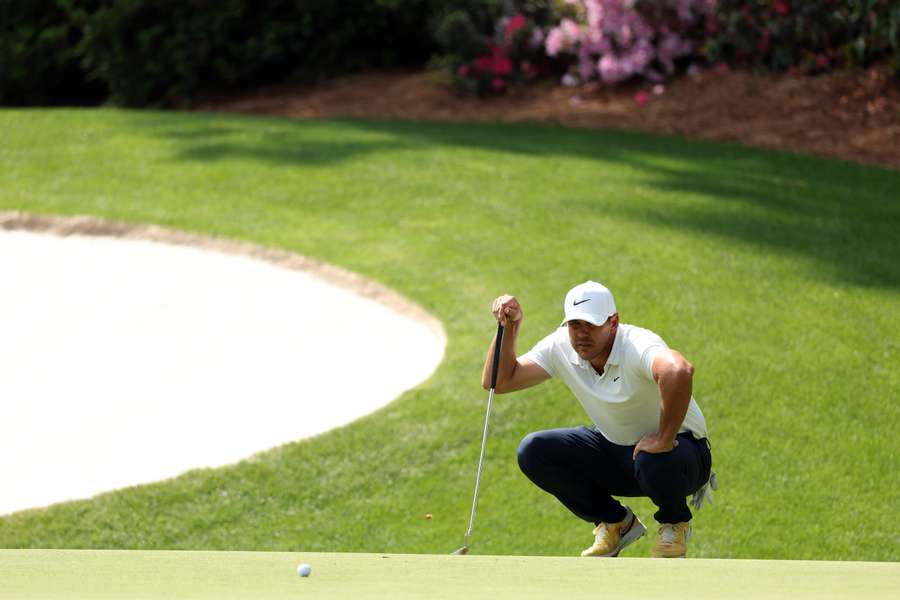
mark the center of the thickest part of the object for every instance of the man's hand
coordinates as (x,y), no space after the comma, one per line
(514,373)
(506,309)
(652,443)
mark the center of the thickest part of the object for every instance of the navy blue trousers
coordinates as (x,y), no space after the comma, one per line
(584,471)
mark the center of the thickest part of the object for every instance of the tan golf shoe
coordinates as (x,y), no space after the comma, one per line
(671,540)
(612,538)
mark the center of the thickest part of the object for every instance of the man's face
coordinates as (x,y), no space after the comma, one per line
(589,340)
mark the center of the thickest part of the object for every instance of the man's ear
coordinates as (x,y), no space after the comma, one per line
(614,320)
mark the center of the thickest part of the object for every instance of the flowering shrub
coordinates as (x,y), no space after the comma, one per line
(616,40)
(491,62)
(807,36)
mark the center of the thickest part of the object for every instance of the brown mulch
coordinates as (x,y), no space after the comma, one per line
(849,115)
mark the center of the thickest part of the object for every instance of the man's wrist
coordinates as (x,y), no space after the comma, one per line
(667,438)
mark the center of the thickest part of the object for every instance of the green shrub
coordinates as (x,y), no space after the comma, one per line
(157,51)
(39,59)
(150,50)
(492,45)
(458,35)
(808,36)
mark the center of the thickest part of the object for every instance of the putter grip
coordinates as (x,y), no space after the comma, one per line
(496,364)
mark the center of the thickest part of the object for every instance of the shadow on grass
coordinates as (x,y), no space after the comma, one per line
(843,216)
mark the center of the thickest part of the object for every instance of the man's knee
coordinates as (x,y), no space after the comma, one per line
(531,449)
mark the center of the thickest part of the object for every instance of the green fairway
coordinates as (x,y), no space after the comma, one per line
(776,275)
(74,574)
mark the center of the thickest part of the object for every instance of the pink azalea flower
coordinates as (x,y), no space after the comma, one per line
(641,55)
(586,67)
(484,64)
(502,65)
(571,29)
(642,98)
(611,69)
(554,42)
(671,47)
(463,71)
(562,38)
(685,11)
(594,10)
(498,84)
(497,63)
(781,7)
(514,25)
(613,40)
(594,42)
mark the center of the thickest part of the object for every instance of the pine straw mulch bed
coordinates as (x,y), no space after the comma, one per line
(853,116)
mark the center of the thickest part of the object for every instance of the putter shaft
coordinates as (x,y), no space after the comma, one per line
(487,416)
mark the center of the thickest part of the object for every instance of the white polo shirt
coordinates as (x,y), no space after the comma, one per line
(623,402)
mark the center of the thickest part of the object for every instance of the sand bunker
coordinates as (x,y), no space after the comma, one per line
(137,354)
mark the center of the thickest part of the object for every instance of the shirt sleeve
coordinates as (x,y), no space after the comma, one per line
(542,354)
(645,347)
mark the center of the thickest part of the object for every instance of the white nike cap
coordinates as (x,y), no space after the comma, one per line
(589,301)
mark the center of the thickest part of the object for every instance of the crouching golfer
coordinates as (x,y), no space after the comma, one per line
(649,437)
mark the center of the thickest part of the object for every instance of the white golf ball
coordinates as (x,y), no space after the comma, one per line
(304,570)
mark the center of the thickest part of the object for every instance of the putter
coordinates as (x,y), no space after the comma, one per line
(487,415)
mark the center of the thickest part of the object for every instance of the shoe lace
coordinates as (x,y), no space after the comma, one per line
(601,531)
(667,534)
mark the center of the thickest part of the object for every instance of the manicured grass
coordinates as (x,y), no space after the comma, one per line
(777,275)
(77,574)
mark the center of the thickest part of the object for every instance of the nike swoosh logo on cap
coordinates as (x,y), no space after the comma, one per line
(580,302)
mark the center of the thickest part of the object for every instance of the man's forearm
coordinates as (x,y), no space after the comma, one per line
(675,386)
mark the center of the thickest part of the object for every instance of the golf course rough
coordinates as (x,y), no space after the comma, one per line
(83,574)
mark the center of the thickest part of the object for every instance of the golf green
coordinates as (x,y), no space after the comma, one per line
(76,574)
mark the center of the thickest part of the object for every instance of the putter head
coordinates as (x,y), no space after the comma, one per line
(461,551)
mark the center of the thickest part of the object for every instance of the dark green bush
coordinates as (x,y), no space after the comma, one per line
(39,58)
(153,50)
(458,35)
(810,36)
(144,52)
